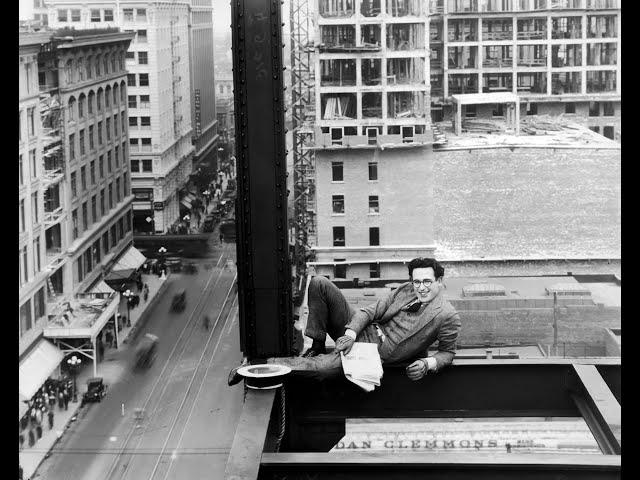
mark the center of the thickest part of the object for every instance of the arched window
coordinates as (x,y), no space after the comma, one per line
(68,71)
(100,97)
(123,91)
(91,102)
(107,96)
(80,70)
(105,63)
(98,73)
(82,100)
(88,68)
(113,63)
(71,108)
(116,94)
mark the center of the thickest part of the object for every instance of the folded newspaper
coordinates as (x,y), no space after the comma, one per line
(363,366)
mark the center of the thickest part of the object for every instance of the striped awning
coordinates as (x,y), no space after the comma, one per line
(126,265)
(188,199)
(37,366)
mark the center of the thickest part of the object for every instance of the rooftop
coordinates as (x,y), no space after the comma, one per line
(82,315)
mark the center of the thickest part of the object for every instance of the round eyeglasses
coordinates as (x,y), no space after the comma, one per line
(426,282)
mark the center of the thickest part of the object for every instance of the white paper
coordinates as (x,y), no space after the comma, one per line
(363,366)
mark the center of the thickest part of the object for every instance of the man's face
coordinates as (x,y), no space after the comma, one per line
(428,287)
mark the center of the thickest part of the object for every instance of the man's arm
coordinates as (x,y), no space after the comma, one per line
(447,340)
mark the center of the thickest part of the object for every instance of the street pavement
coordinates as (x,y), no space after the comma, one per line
(189,413)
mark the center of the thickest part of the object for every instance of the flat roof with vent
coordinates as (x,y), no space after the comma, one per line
(568,289)
(484,290)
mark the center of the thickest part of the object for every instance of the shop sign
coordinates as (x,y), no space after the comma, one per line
(158,206)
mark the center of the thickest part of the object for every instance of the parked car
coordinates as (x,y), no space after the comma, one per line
(96,389)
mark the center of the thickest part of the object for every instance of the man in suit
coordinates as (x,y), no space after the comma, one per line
(403,324)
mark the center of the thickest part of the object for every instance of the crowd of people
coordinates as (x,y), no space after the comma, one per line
(41,410)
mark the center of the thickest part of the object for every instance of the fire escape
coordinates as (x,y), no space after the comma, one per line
(175,77)
(303,114)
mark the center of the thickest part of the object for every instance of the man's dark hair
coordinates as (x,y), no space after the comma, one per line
(438,270)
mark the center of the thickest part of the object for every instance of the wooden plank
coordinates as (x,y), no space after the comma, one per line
(599,408)
(251,434)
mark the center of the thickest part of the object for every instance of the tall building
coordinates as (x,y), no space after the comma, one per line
(161,92)
(75,193)
(372,137)
(559,56)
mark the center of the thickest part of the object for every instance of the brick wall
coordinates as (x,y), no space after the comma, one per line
(526,202)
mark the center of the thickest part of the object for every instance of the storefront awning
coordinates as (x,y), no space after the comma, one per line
(102,288)
(126,265)
(37,366)
(188,199)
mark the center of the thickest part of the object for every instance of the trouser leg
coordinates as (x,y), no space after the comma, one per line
(321,366)
(329,311)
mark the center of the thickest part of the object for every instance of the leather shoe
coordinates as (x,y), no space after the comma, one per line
(314,352)
(234,376)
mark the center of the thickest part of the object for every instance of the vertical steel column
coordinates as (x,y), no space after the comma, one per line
(264,272)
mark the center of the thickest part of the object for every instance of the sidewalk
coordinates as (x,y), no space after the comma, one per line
(193,223)
(110,371)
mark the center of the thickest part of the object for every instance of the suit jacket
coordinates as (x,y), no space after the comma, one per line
(438,321)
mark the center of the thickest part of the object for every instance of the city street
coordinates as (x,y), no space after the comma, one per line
(179,415)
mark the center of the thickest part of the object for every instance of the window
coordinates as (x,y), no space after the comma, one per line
(83,178)
(74,223)
(75,15)
(68,72)
(532,108)
(144,101)
(62,16)
(115,125)
(72,146)
(373,204)
(144,79)
(336,171)
(105,63)
(108,129)
(145,122)
(374,236)
(147,165)
(91,100)
(374,270)
(607,131)
(128,16)
(133,122)
(107,97)
(337,203)
(135,165)
(82,142)
(39,303)
(570,107)
(108,15)
(31,121)
(103,208)
(88,70)
(80,70)
(141,14)
(71,106)
(20,126)
(338,237)
(85,217)
(143,58)
(608,109)
(373,170)
(105,243)
(34,163)
(221,88)
(117,156)
(339,271)
(111,195)
(131,79)
(23,217)
(91,137)
(21,171)
(109,161)
(125,188)
(25,316)
(132,101)
(94,208)
(100,133)
(99,100)
(142,36)
(82,100)
(145,144)
(118,190)
(96,252)
(101,166)
(133,143)
(74,185)
(123,123)
(112,234)
(130,56)
(95,15)
(594,109)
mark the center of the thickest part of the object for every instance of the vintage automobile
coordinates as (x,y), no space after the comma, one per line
(96,389)
(209,223)
(179,301)
(146,351)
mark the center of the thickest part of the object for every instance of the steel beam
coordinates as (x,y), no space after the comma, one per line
(599,408)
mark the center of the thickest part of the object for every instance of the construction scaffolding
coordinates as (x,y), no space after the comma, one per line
(303,115)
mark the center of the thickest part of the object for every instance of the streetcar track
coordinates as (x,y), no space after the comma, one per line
(188,323)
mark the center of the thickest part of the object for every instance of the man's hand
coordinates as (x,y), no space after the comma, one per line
(417,370)
(344,344)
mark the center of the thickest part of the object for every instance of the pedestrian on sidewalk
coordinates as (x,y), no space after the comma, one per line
(146,292)
(221,239)
(50,419)
(32,438)
(21,440)
(39,431)
(52,399)
(60,399)
(66,396)
(38,416)
(205,322)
